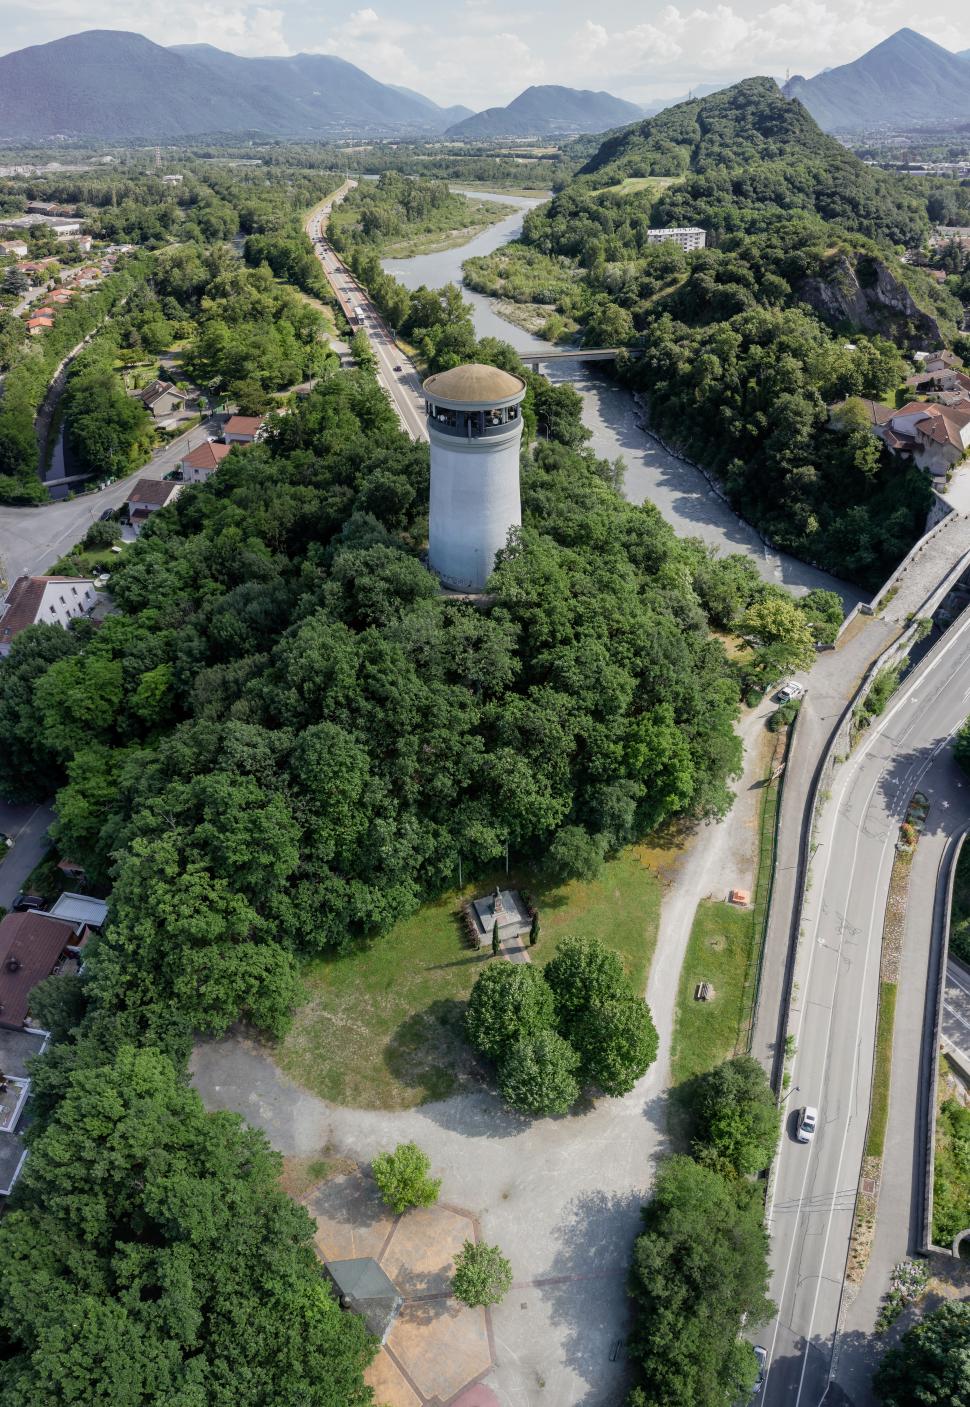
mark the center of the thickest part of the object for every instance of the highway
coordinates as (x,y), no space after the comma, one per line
(834,1010)
(395,371)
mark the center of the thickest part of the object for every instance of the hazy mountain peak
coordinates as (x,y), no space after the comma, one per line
(905,80)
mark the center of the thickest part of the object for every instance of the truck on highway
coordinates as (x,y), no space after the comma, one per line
(359,316)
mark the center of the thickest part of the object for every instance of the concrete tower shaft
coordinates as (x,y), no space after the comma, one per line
(475,429)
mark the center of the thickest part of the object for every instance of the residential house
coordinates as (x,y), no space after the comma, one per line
(162,399)
(37,325)
(937,436)
(941,361)
(201,463)
(33,946)
(147,497)
(62,296)
(242,429)
(48,600)
(16,247)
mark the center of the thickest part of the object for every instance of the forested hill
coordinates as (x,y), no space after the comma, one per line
(800,300)
(747,154)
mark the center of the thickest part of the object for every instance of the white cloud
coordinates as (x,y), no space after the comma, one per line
(243,29)
(494,63)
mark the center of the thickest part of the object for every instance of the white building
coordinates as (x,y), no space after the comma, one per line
(202,462)
(475,428)
(44,600)
(687,236)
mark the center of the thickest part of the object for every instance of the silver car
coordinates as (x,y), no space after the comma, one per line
(762,1356)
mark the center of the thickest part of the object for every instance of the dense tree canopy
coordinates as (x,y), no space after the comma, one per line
(931,1365)
(699,1264)
(735,1116)
(743,342)
(150,1257)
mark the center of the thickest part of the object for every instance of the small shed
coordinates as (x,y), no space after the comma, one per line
(364,1287)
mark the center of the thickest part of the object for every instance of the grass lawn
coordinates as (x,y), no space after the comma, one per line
(725,949)
(102,560)
(383,1028)
(881,1071)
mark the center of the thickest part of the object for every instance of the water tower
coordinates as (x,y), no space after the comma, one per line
(475,428)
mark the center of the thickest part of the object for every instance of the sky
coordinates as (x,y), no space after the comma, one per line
(484,52)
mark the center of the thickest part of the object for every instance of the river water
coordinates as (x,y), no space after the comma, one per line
(681,492)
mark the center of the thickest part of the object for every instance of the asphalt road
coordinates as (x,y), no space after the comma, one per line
(27,826)
(396,372)
(956,1008)
(834,1010)
(32,539)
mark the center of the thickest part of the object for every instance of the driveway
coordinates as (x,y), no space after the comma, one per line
(28,827)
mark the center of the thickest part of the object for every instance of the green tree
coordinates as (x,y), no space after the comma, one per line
(30,768)
(735,1115)
(403,1178)
(931,1365)
(159,1234)
(775,623)
(823,610)
(699,1267)
(575,854)
(538,1075)
(584,973)
(482,1275)
(617,1043)
(508,1003)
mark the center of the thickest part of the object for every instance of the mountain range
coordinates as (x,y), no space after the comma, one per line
(906,81)
(107,83)
(548,110)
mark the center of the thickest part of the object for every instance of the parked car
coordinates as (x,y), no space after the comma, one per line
(762,1356)
(107,515)
(399,368)
(807,1121)
(789,692)
(6,841)
(23,902)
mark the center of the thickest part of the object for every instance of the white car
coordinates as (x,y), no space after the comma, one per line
(762,1356)
(807,1121)
(790,692)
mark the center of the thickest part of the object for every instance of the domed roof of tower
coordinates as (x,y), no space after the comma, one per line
(474,385)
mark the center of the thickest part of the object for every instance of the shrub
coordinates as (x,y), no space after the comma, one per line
(101,535)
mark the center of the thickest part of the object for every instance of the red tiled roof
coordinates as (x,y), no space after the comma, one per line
(30,945)
(242,424)
(207,456)
(156,491)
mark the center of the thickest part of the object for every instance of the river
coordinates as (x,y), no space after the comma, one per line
(680,491)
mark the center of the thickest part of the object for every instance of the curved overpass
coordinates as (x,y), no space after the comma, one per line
(834,1013)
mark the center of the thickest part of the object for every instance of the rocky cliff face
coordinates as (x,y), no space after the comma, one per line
(866,296)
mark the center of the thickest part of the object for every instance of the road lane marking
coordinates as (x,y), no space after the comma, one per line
(851,775)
